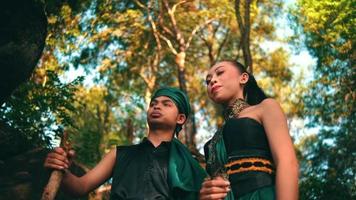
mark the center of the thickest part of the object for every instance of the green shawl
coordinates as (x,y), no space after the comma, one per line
(185,175)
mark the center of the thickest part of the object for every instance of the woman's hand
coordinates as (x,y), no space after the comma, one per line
(216,188)
(59,159)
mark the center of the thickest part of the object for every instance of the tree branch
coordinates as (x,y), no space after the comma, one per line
(174,7)
(238,17)
(216,29)
(154,27)
(139,4)
(169,43)
(196,29)
(247,36)
(223,43)
(179,37)
(165,29)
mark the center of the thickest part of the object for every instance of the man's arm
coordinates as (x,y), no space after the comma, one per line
(78,186)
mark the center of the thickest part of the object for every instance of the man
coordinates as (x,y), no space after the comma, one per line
(160,167)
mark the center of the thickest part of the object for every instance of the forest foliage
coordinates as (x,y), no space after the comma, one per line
(126,49)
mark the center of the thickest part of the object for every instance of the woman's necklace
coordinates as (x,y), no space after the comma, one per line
(214,167)
(234,110)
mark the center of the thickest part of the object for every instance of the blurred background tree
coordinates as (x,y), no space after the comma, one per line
(104,58)
(327,158)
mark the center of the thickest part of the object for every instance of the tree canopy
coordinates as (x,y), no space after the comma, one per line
(127,49)
(328,164)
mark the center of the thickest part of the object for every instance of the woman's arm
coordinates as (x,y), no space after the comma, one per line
(275,124)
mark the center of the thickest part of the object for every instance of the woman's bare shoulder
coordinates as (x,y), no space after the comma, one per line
(270,105)
(269,101)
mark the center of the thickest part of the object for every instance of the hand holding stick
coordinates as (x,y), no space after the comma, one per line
(55,179)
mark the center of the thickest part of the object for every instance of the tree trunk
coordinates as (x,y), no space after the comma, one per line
(180,61)
(190,126)
(129,130)
(244,26)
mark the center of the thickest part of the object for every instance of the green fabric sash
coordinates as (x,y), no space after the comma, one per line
(185,175)
(221,157)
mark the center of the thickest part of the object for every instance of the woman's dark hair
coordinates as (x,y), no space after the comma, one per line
(252,92)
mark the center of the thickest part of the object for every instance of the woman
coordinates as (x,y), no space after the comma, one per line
(252,155)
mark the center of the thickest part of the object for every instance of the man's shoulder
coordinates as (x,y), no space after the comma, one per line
(123,153)
(131,147)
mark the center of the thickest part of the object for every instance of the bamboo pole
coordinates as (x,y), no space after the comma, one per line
(54,182)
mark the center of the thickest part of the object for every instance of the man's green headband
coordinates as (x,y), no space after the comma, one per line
(179,97)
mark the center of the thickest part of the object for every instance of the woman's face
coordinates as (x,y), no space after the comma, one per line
(224,83)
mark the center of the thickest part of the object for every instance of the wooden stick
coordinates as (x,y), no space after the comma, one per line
(52,187)
(54,182)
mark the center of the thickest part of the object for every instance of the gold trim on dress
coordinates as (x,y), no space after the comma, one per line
(267,165)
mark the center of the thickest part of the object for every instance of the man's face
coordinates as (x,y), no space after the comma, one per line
(162,113)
